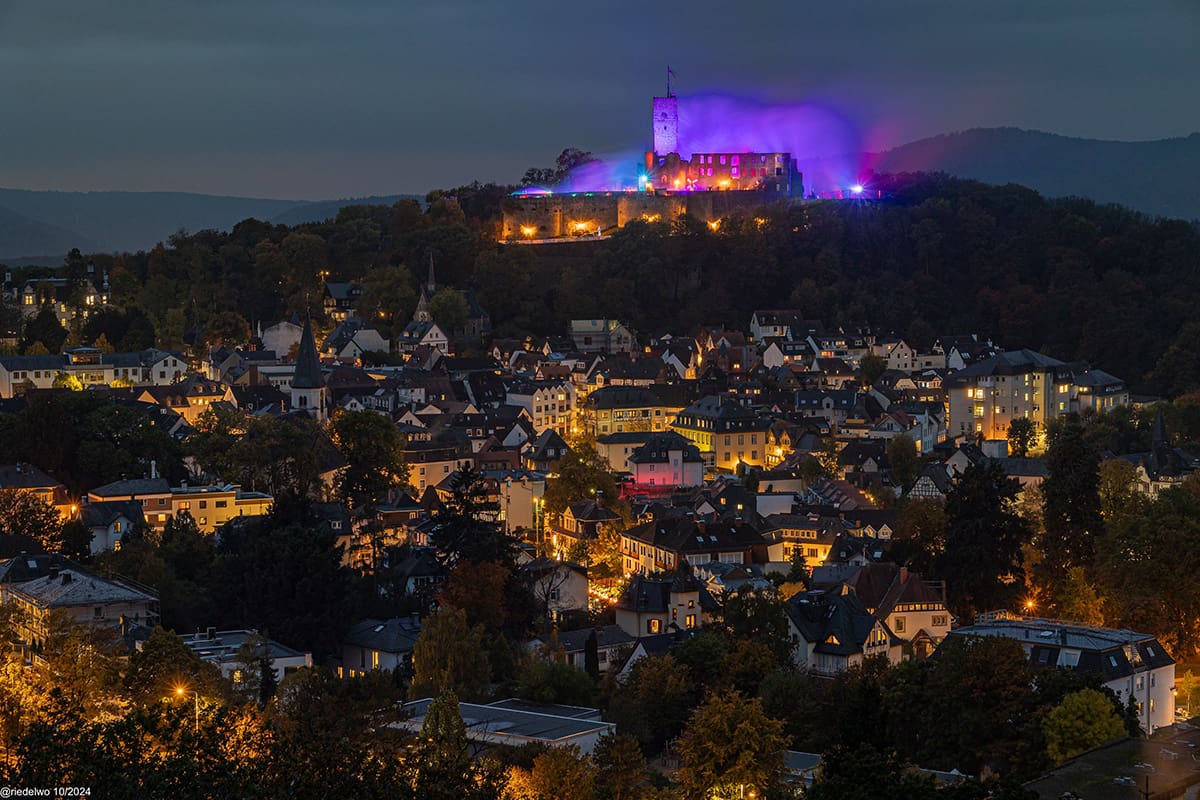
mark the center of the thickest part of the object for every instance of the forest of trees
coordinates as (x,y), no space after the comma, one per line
(941,256)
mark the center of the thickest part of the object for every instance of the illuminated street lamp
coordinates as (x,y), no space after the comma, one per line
(182,691)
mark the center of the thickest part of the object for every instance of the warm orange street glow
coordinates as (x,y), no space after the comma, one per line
(528,231)
(714,224)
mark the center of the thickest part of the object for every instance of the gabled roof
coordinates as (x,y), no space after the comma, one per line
(103,514)
(25,476)
(396,635)
(575,641)
(838,624)
(133,487)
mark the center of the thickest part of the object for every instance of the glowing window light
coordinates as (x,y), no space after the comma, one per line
(528,231)
(651,217)
(714,224)
(581,227)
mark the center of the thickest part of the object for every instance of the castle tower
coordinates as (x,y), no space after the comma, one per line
(308,384)
(666,125)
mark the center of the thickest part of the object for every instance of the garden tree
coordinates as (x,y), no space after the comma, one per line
(546,677)
(280,456)
(582,474)
(982,560)
(253,675)
(1079,599)
(304,256)
(170,329)
(973,706)
(449,310)
(730,746)
(920,534)
(1118,489)
(620,767)
(1148,563)
(653,703)
(450,655)
(703,656)
(827,457)
(480,590)
(558,773)
(1022,435)
(165,664)
(336,735)
(285,577)
(68,381)
(865,773)
(757,615)
(904,461)
(23,513)
(227,328)
(798,571)
(44,328)
(75,540)
(387,299)
(791,696)
(373,448)
(1071,503)
(870,367)
(156,751)
(85,440)
(466,527)
(604,556)
(442,765)
(1083,720)
(747,664)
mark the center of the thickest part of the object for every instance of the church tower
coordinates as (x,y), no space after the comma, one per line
(421,313)
(308,384)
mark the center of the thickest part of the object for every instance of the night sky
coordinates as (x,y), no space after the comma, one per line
(331,99)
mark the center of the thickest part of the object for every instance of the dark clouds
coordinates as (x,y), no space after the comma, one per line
(320,99)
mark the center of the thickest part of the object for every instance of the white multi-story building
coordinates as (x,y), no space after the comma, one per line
(1134,665)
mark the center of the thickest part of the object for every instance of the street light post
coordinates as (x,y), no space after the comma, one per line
(182,692)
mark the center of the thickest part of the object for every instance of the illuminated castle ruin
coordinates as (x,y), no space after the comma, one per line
(707,186)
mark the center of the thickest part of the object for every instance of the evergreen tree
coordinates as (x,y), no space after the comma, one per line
(1071,503)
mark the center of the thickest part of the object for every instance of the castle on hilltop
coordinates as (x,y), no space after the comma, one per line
(707,186)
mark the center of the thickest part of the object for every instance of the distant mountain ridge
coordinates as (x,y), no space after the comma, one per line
(42,227)
(1159,177)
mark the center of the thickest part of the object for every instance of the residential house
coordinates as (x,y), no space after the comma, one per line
(109,521)
(221,648)
(211,506)
(626,409)
(580,524)
(27,478)
(911,608)
(1135,666)
(340,300)
(670,540)
(774,323)
(726,434)
(551,404)
(665,461)
(600,336)
(559,587)
(38,586)
(376,644)
(834,631)
(652,606)
(613,644)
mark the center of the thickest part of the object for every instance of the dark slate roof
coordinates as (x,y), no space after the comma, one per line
(1011,362)
(101,515)
(133,487)
(308,364)
(396,635)
(838,623)
(609,397)
(658,447)
(25,476)
(575,641)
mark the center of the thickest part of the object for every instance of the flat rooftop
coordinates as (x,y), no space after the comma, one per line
(500,722)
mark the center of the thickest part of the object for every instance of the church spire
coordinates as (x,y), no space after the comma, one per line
(431,283)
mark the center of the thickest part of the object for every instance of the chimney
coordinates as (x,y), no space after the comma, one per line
(211,634)
(66,578)
(153,469)
(903,574)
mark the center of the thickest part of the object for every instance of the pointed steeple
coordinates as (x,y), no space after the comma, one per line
(1159,434)
(308,364)
(431,283)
